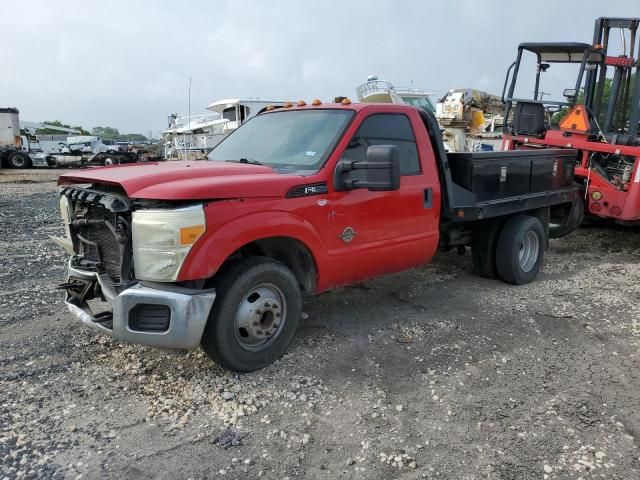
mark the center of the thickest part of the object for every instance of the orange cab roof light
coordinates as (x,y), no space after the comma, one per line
(301,103)
(316,102)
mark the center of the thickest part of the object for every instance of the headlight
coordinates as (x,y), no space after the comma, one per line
(162,239)
(65,242)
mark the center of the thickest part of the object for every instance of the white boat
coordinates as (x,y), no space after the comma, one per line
(382,91)
(194,137)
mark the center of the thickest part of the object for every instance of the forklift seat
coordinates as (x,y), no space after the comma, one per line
(529,119)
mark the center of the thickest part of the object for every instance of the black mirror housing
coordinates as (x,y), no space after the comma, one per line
(379,172)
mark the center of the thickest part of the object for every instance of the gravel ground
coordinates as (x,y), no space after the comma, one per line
(431,373)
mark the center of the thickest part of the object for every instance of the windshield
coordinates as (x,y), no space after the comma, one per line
(422,102)
(294,140)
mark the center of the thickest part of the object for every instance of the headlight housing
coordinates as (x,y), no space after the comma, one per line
(161,240)
(65,242)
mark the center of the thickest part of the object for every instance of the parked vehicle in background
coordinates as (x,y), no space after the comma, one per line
(382,91)
(471,120)
(192,138)
(598,115)
(11,154)
(298,199)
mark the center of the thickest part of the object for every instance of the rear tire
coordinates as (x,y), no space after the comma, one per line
(483,250)
(19,160)
(520,249)
(255,315)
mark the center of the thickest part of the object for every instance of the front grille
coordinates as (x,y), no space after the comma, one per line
(106,251)
(101,234)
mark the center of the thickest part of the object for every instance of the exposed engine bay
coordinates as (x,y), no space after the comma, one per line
(616,168)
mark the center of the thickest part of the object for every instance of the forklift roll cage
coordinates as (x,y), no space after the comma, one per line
(593,60)
(589,57)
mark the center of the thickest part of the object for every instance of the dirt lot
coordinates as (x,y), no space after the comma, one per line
(432,373)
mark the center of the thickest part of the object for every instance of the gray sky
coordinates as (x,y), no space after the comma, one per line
(126,64)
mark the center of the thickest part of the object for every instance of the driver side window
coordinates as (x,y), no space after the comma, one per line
(386,129)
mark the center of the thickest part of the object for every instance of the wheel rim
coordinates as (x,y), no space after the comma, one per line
(528,252)
(260,317)
(108,162)
(18,161)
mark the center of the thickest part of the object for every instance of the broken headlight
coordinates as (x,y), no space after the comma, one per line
(162,239)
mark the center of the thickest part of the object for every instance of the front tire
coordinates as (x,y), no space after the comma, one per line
(520,249)
(255,315)
(19,160)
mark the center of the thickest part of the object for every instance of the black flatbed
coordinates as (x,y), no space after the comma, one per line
(483,185)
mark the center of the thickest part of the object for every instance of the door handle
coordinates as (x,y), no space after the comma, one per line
(428,198)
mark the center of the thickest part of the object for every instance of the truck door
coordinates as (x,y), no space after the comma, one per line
(371,233)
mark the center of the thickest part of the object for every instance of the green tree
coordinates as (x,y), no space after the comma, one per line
(619,122)
(106,133)
(133,137)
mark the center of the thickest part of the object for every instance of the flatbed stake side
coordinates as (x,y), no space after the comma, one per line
(296,201)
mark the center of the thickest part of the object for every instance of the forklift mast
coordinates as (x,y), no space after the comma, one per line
(613,116)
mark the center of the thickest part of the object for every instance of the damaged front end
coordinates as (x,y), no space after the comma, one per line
(101,288)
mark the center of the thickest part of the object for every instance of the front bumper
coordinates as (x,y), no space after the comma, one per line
(188,311)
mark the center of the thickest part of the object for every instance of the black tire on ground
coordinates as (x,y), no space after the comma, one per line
(520,249)
(19,160)
(483,250)
(574,220)
(255,315)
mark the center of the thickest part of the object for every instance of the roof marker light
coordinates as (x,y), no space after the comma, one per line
(269,108)
(345,101)
(316,102)
(287,105)
(301,103)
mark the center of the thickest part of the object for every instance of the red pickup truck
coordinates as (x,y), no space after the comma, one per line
(298,200)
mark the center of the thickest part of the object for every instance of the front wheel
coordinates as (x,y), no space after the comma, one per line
(520,250)
(255,315)
(19,160)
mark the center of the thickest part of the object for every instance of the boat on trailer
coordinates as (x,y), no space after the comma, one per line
(189,138)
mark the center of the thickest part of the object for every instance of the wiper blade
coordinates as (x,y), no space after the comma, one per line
(247,160)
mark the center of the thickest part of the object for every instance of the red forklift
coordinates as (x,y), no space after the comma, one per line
(599,115)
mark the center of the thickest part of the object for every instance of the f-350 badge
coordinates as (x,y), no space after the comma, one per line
(348,234)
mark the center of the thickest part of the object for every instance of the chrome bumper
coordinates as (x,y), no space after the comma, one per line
(189,312)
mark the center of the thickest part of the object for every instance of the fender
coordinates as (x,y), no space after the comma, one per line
(210,252)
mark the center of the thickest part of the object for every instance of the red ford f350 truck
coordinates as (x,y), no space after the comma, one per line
(298,200)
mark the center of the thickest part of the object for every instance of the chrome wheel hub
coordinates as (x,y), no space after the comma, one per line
(529,251)
(260,317)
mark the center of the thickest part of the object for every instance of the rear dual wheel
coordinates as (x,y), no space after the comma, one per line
(520,250)
(512,251)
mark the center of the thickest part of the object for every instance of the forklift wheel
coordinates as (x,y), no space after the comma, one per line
(520,249)
(574,220)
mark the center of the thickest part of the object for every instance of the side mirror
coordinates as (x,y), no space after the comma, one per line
(379,172)
(569,93)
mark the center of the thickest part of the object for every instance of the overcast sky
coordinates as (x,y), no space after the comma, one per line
(127,64)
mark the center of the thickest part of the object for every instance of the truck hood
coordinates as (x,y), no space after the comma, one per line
(202,180)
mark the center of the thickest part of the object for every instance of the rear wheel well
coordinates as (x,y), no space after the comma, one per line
(289,251)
